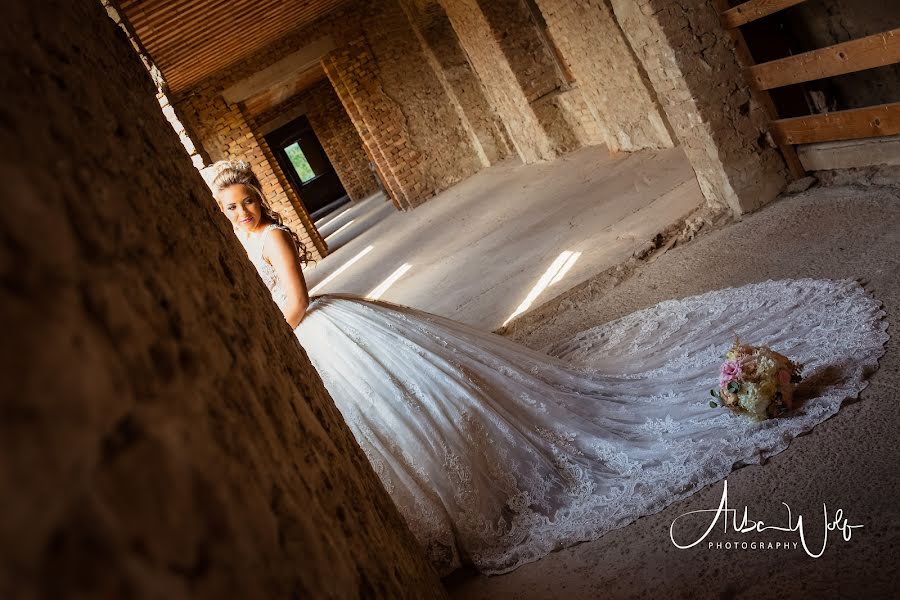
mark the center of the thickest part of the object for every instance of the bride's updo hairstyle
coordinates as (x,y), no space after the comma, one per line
(238,172)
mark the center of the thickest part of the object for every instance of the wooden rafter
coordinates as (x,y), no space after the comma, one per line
(754,9)
(872,121)
(849,57)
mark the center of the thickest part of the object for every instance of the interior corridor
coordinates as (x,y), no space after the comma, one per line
(478,250)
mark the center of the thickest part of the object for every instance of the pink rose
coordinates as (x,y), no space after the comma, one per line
(731,371)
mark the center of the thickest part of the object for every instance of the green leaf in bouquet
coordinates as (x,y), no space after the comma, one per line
(734,387)
(714,393)
(713,404)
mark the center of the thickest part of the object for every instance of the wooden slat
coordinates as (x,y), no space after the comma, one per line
(856,55)
(754,9)
(872,121)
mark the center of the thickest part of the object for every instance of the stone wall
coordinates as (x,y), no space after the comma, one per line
(605,69)
(690,60)
(167,436)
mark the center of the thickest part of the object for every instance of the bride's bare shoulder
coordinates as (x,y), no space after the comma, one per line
(277,240)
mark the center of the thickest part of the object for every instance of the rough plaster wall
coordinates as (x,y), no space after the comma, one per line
(607,72)
(438,35)
(224,133)
(167,437)
(691,62)
(500,82)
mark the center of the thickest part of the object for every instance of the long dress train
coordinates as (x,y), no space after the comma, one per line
(496,454)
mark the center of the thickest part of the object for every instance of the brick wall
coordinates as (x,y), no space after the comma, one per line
(341,141)
(691,62)
(544,115)
(353,72)
(542,79)
(612,80)
(423,108)
(568,121)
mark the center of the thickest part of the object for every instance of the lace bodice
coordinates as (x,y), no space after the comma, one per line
(266,271)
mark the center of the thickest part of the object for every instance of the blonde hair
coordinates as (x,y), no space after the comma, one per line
(239,172)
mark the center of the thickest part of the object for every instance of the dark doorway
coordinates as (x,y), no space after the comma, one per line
(305,164)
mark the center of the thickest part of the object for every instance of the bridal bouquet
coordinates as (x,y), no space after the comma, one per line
(757,381)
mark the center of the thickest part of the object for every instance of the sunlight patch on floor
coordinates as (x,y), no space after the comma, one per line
(387,283)
(341,269)
(340,229)
(554,274)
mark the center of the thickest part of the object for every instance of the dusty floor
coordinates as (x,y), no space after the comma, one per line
(477,250)
(851,461)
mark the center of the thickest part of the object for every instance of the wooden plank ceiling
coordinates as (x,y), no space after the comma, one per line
(192,39)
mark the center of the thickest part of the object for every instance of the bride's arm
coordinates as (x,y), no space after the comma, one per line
(279,251)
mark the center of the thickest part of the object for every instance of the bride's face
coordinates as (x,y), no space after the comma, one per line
(241,205)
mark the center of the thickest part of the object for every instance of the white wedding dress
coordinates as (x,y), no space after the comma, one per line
(496,454)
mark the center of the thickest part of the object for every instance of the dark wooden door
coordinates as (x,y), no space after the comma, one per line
(304,162)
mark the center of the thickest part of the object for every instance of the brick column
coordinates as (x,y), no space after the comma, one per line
(352,72)
(340,140)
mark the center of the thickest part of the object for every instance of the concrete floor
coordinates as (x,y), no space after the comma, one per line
(851,461)
(476,250)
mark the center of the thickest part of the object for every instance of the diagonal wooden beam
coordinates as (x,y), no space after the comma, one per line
(872,121)
(754,9)
(856,55)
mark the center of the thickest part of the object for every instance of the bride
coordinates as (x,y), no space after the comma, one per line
(496,454)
